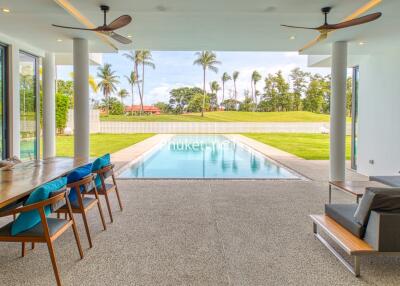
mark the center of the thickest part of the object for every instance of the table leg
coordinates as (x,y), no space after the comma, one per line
(330,194)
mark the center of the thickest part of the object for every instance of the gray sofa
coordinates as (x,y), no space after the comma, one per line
(376,219)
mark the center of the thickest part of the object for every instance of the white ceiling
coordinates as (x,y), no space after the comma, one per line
(222,25)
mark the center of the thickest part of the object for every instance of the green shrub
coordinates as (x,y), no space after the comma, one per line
(62,106)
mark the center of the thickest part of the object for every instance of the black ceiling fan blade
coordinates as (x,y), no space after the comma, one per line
(357,21)
(119,38)
(296,27)
(120,22)
(75,28)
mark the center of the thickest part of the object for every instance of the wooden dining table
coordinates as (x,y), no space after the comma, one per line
(21,179)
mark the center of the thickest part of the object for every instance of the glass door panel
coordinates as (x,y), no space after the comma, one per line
(28,106)
(3,102)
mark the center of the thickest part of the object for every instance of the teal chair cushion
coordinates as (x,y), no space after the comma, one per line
(77,175)
(99,163)
(27,220)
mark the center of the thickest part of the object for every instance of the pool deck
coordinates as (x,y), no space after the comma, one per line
(185,232)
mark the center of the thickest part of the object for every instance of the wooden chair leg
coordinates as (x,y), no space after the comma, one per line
(117,192)
(87,228)
(100,210)
(23,249)
(108,206)
(50,246)
(33,245)
(75,230)
(53,261)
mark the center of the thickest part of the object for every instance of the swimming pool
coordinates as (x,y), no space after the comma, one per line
(205,157)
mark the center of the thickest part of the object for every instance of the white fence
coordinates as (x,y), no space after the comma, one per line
(214,127)
(97,126)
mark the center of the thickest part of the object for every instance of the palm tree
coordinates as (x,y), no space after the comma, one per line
(108,82)
(132,80)
(255,77)
(122,93)
(235,76)
(207,60)
(225,77)
(214,86)
(135,57)
(146,59)
(143,58)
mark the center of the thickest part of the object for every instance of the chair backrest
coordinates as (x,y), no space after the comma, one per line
(59,196)
(106,171)
(85,185)
(379,199)
(59,203)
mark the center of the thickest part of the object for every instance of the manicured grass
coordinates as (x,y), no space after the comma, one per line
(226,116)
(307,146)
(99,143)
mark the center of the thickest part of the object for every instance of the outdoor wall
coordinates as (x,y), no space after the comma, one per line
(379,114)
(94,124)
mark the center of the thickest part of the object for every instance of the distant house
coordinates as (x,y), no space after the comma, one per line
(146,109)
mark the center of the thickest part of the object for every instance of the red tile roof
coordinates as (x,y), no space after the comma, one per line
(146,108)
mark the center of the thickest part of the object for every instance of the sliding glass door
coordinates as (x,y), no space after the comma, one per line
(29,99)
(3,102)
(354,118)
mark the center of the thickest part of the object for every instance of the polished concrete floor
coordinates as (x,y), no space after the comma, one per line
(203,233)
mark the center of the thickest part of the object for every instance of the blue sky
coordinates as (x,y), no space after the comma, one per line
(175,69)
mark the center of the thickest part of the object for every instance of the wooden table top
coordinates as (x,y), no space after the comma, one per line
(356,188)
(21,179)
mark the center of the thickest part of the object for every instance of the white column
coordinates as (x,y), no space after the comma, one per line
(81,98)
(49,106)
(14,115)
(338,112)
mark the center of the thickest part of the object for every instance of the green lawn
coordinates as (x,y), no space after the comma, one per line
(307,146)
(226,116)
(99,143)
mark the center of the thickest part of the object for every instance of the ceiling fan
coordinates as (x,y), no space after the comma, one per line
(108,30)
(326,28)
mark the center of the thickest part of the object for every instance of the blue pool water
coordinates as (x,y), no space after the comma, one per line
(205,156)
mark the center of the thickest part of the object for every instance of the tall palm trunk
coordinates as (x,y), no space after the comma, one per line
(252,91)
(132,100)
(223,92)
(107,103)
(139,90)
(234,86)
(204,92)
(141,104)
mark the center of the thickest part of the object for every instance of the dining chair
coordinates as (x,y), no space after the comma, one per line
(106,188)
(83,204)
(48,230)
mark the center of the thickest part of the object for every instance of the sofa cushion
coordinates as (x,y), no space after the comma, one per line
(77,175)
(99,163)
(343,214)
(378,199)
(27,220)
(393,181)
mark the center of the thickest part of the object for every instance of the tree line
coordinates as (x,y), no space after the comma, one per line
(303,91)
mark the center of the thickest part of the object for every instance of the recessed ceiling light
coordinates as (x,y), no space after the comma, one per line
(6,10)
(270,9)
(59,40)
(292,37)
(129,36)
(161,8)
(361,43)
